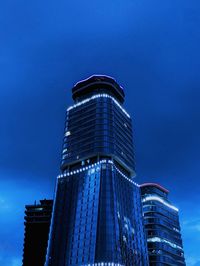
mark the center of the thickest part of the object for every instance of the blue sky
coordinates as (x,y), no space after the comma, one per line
(150,47)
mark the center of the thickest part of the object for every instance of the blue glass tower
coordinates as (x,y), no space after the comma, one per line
(97,213)
(162,227)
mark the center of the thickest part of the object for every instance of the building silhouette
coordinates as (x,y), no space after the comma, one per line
(97,214)
(37,224)
(162,227)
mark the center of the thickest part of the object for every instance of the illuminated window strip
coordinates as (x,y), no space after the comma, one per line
(85,168)
(99,96)
(161,240)
(148,198)
(104,264)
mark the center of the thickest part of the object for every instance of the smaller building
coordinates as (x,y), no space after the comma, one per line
(37,224)
(162,227)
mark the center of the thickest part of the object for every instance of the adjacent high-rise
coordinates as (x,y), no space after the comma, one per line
(37,224)
(97,214)
(162,227)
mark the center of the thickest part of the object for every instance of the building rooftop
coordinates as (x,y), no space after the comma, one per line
(103,83)
(155,185)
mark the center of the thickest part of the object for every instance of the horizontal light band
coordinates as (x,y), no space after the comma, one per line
(162,240)
(99,96)
(149,198)
(85,168)
(104,264)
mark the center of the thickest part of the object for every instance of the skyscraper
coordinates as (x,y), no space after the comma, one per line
(97,213)
(162,227)
(37,224)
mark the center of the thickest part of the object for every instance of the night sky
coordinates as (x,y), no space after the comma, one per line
(152,48)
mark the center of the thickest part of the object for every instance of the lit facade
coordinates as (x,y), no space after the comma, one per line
(97,213)
(162,227)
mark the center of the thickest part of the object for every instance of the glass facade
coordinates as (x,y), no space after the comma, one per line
(162,227)
(97,213)
(98,127)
